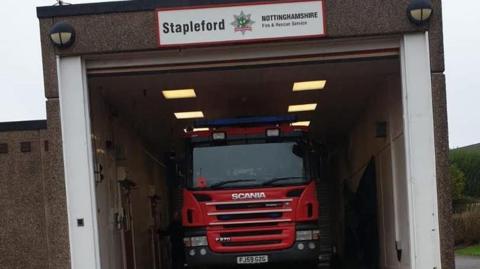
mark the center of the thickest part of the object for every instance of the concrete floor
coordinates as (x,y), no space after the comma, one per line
(467,262)
(273,266)
(461,262)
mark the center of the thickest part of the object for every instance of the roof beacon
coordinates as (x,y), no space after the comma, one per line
(247,121)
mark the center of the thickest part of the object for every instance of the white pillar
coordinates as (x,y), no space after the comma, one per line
(77,158)
(420,151)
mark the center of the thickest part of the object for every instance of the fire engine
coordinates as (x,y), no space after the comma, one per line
(250,195)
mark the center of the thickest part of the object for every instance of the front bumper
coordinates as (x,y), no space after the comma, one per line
(203,256)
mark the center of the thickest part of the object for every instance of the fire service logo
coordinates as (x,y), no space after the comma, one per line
(242,23)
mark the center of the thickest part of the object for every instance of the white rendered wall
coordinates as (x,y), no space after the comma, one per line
(392,211)
(147,173)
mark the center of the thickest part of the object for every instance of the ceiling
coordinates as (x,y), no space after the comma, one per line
(246,91)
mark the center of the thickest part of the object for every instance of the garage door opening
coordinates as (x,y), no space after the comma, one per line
(139,144)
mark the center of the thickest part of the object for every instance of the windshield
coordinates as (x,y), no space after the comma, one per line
(247,165)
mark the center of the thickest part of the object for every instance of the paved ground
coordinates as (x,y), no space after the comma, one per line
(467,262)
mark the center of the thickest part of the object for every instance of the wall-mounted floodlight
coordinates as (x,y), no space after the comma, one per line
(62,35)
(419,11)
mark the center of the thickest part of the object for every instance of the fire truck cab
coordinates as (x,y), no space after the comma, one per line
(250,194)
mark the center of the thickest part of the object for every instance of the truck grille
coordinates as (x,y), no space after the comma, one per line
(251,243)
(248,226)
(250,233)
(248,206)
(250,239)
(261,215)
(247,212)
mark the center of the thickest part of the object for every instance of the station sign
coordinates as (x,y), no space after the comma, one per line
(237,23)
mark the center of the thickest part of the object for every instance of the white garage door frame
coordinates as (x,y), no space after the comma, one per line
(418,125)
(420,150)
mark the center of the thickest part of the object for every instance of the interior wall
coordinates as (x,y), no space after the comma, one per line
(120,154)
(385,105)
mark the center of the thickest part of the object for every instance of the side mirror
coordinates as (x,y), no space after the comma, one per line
(319,158)
(299,150)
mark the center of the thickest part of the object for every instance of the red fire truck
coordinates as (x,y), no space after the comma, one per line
(250,195)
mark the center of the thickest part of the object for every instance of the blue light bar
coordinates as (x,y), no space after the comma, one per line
(245,121)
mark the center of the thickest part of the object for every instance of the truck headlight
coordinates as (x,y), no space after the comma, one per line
(198,241)
(315,234)
(273,132)
(308,235)
(187,242)
(219,135)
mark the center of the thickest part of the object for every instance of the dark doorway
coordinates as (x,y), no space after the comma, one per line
(361,243)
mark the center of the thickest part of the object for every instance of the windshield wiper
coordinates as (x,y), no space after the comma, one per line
(221,183)
(276,179)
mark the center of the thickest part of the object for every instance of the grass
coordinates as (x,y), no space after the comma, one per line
(469,251)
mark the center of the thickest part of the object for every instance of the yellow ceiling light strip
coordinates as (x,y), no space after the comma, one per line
(197,130)
(309,85)
(189,115)
(302,107)
(301,123)
(178,94)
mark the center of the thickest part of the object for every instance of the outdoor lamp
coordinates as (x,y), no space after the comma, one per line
(62,35)
(419,11)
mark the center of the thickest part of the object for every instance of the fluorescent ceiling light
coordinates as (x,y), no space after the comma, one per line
(197,130)
(181,93)
(201,129)
(303,107)
(309,85)
(189,115)
(301,123)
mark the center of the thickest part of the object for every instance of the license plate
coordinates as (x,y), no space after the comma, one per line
(252,259)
